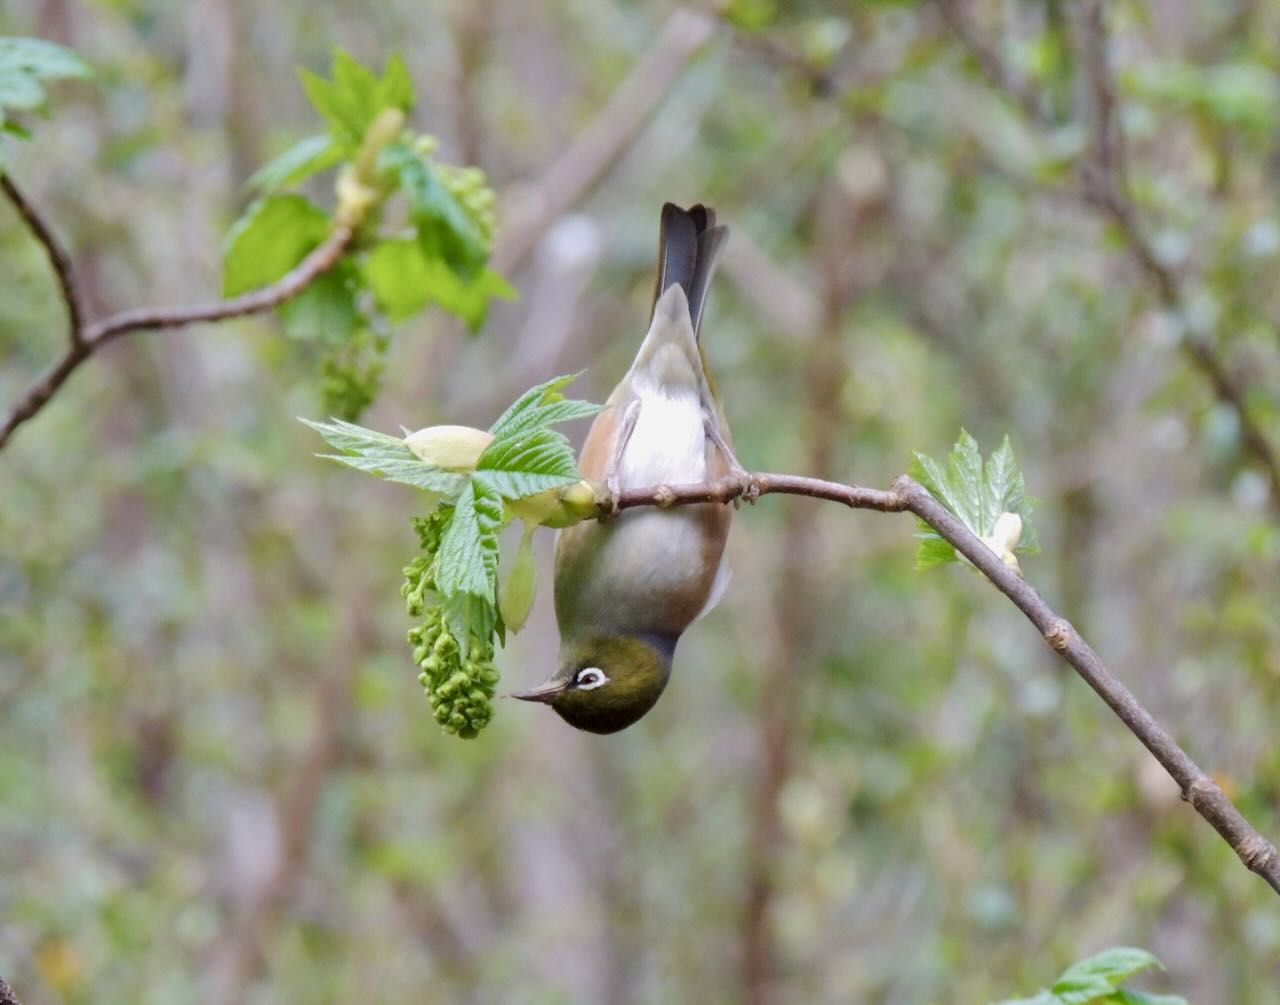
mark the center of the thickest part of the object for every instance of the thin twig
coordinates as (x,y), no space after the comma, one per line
(58,256)
(1204,794)
(88,339)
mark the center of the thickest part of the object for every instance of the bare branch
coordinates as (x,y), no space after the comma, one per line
(98,334)
(908,495)
(58,256)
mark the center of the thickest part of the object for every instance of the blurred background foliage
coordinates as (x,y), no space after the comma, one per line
(219,779)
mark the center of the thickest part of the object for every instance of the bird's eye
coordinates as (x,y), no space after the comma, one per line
(590,677)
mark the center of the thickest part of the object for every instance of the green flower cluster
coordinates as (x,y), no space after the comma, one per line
(471,188)
(351,375)
(459,688)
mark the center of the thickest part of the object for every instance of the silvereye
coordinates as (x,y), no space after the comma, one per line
(626,588)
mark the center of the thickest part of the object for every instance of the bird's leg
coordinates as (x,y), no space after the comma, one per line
(613,473)
(750,491)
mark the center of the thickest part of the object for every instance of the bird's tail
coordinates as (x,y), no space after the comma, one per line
(688,244)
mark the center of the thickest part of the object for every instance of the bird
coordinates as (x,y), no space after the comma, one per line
(628,586)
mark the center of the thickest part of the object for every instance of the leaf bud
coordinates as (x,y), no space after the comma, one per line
(453,448)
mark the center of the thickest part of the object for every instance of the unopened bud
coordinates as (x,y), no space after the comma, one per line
(453,448)
(558,508)
(1004,538)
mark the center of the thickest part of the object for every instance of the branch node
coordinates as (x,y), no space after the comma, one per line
(1256,852)
(664,497)
(1201,790)
(1058,635)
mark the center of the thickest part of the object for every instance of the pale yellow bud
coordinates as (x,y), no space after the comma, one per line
(454,448)
(355,198)
(1004,538)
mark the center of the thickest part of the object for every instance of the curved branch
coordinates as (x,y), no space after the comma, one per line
(908,495)
(85,340)
(58,256)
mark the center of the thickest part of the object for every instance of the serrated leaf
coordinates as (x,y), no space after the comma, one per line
(354,96)
(444,227)
(274,234)
(410,472)
(468,616)
(543,405)
(999,475)
(527,463)
(964,465)
(349,437)
(1114,965)
(976,493)
(385,456)
(306,157)
(467,561)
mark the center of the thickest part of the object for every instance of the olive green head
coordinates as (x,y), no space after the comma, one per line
(607,682)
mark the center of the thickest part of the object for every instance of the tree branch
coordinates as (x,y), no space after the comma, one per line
(86,339)
(908,495)
(58,256)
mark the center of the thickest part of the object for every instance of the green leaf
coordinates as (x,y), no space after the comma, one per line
(1123,996)
(974,492)
(305,158)
(326,309)
(1114,965)
(933,551)
(468,617)
(404,471)
(274,234)
(39,58)
(467,561)
(386,456)
(543,405)
(26,64)
(1081,990)
(527,463)
(444,227)
(349,437)
(354,96)
(404,280)
(397,272)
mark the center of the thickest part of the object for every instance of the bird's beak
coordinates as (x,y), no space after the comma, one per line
(545,693)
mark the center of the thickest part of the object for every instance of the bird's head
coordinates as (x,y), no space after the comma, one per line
(607,682)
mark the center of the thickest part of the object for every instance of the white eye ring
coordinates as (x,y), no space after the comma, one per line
(589,678)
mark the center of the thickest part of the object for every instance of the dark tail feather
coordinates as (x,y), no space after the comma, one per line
(688,245)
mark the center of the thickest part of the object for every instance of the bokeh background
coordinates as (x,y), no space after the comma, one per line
(219,779)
